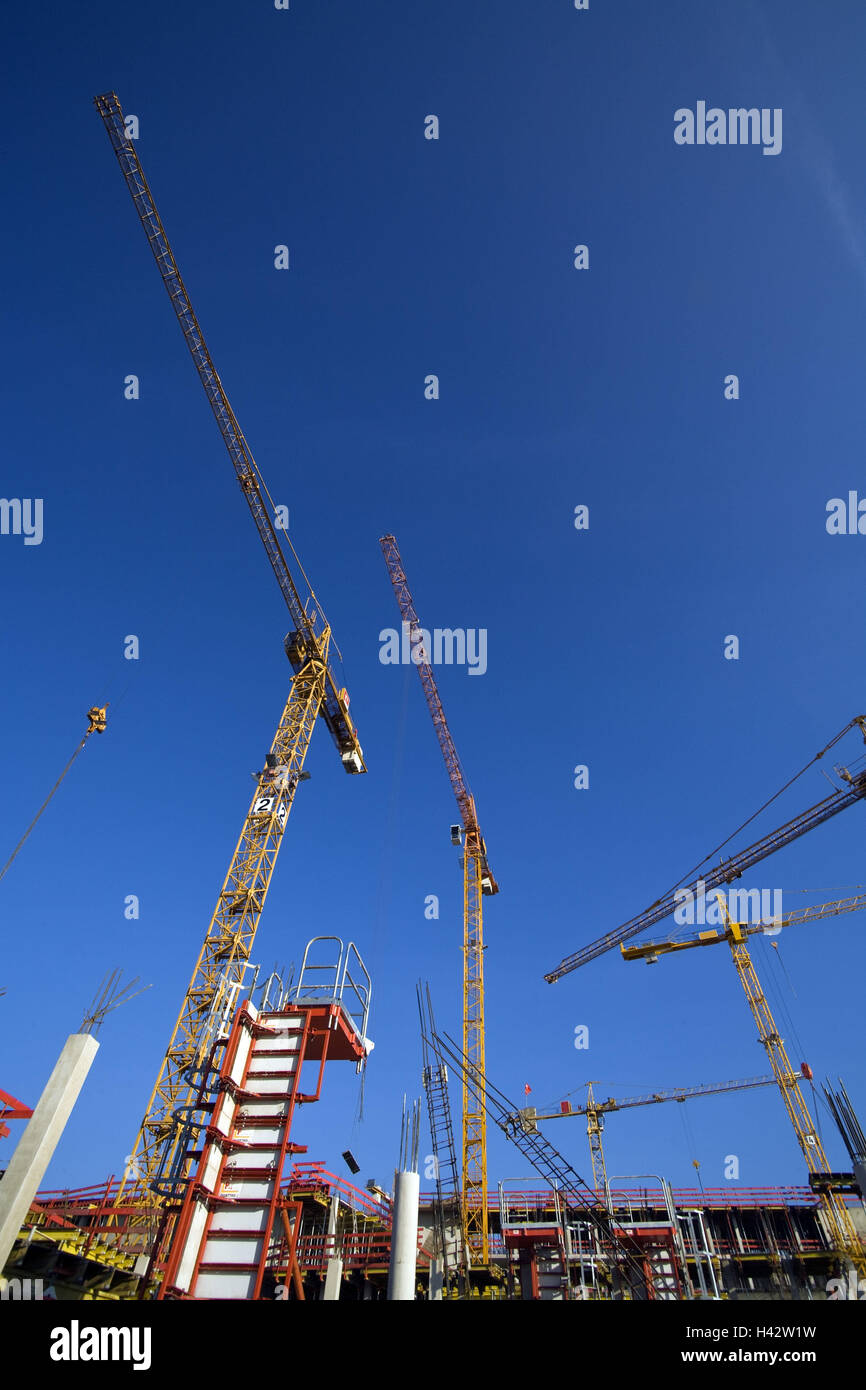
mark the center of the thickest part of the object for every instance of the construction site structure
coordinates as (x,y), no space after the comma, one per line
(841,1228)
(478,882)
(158,1163)
(761,1243)
(733,1242)
(233,1216)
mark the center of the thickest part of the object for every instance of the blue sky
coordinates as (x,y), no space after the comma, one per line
(558,387)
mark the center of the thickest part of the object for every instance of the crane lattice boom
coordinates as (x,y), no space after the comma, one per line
(461,791)
(680,1093)
(309,623)
(161,1153)
(478,882)
(651,950)
(732,868)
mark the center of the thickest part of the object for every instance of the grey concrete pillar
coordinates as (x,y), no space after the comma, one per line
(404,1238)
(36,1146)
(333,1279)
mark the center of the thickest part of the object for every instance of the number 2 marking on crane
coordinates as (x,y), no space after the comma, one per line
(264,806)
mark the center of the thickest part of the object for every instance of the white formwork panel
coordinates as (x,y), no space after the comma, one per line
(263,1158)
(236,1284)
(227,1250)
(270,1135)
(240,1219)
(191,1247)
(210,1168)
(278,1042)
(224,1116)
(268,1085)
(277,1108)
(241,1056)
(247,1189)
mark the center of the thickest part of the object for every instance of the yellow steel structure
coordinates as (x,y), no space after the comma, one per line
(594,1126)
(595,1111)
(475,1219)
(163,1138)
(159,1159)
(840,1226)
(478,882)
(729,870)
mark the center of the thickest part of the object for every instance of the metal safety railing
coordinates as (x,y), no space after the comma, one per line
(344,981)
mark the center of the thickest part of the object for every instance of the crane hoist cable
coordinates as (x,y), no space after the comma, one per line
(728,870)
(97,721)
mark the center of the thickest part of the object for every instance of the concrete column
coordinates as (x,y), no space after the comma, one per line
(332,1215)
(333,1279)
(36,1146)
(334,1267)
(404,1237)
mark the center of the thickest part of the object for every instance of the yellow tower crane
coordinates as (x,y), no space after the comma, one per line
(729,870)
(595,1111)
(478,882)
(839,1223)
(159,1158)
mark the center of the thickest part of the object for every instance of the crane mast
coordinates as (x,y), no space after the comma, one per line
(836,1215)
(159,1155)
(478,882)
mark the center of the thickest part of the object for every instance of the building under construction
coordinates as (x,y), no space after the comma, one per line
(765,1243)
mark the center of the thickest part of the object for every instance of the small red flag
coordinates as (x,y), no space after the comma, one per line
(526,1090)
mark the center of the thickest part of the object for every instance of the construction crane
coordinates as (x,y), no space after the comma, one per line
(97,722)
(595,1111)
(842,797)
(840,1225)
(159,1154)
(478,882)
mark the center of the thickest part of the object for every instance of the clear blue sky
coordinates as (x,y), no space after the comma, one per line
(558,387)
